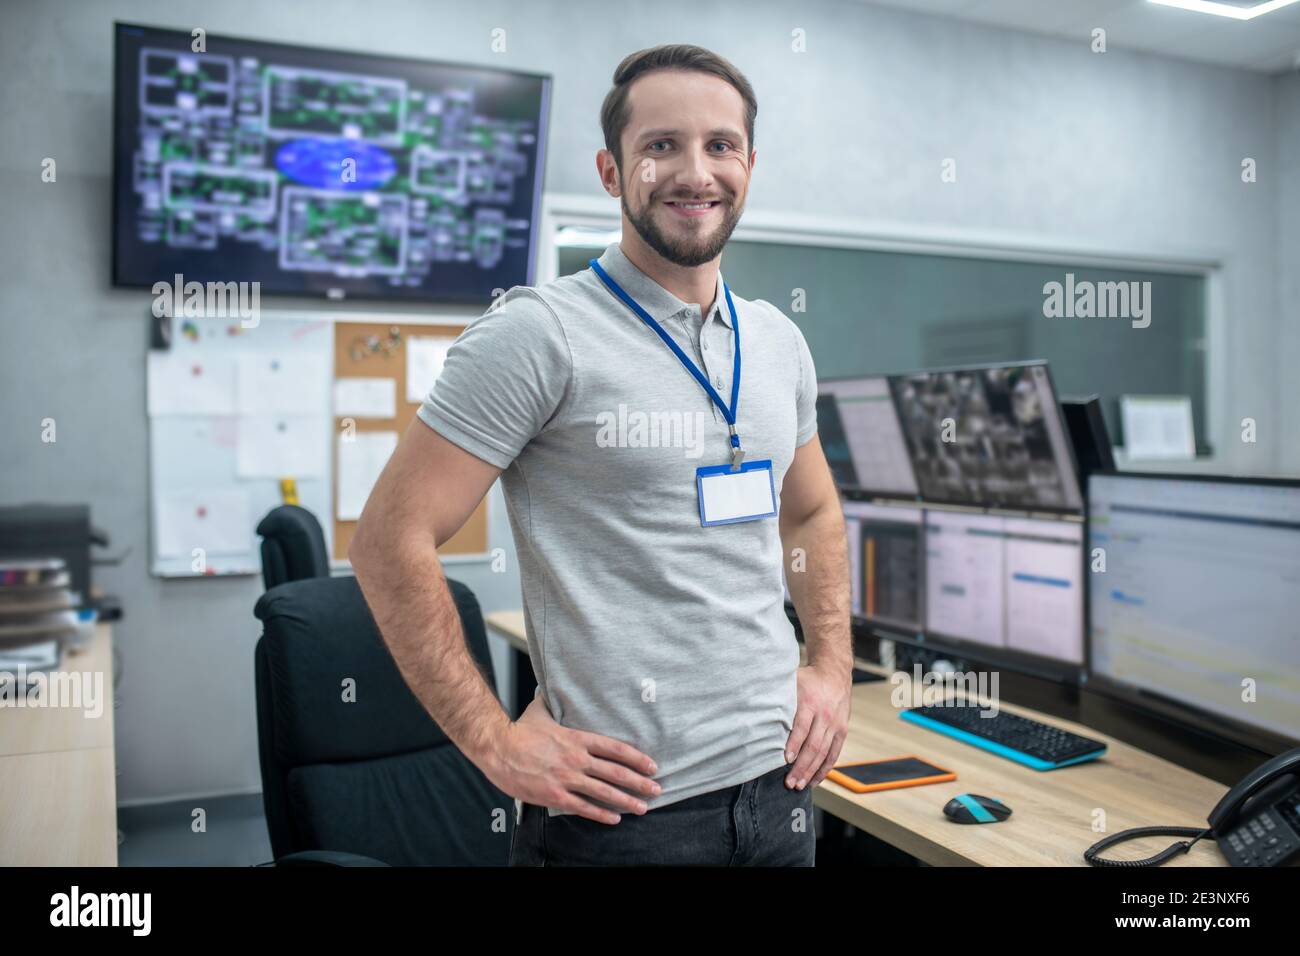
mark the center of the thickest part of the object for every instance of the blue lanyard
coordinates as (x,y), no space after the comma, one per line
(737,455)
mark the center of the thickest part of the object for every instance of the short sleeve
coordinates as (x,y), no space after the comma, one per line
(806,391)
(503,379)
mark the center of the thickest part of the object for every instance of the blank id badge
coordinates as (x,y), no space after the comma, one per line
(728,497)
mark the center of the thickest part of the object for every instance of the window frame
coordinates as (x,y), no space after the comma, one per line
(572,210)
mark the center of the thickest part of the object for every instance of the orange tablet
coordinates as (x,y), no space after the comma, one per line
(889,774)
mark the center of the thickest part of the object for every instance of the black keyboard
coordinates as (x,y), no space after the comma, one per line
(1026,741)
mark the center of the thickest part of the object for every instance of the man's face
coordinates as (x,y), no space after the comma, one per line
(686,164)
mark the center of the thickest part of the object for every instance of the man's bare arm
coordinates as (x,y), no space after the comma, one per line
(812,525)
(812,520)
(423,497)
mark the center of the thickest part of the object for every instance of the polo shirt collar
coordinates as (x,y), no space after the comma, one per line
(651,296)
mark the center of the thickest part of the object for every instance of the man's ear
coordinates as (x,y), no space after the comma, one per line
(753,155)
(607,169)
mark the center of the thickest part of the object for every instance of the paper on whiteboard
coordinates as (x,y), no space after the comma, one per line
(361,459)
(425,356)
(1157,427)
(219,522)
(178,384)
(282,384)
(285,446)
(365,397)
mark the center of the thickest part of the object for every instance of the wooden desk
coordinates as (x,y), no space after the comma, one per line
(58,775)
(1052,812)
(510,625)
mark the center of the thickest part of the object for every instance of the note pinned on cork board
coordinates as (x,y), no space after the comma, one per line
(382,350)
(425,356)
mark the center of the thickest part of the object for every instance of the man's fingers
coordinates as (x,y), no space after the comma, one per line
(832,755)
(603,792)
(626,754)
(811,755)
(621,776)
(579,806)
(803,720)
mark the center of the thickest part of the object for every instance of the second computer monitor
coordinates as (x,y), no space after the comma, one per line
(1011,584)
(1002,587)
(990,437)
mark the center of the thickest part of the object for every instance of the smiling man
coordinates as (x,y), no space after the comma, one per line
(672,724)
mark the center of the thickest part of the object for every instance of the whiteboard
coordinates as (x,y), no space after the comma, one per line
(231,410)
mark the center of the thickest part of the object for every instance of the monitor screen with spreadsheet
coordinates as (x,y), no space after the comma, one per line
(1008,583)
(1198,605)
(861,436)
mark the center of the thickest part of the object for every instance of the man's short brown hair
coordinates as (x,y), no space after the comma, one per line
(670,56)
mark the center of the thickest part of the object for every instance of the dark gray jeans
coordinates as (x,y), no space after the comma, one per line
(756,823)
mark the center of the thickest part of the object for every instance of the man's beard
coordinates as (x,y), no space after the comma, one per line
(689,252)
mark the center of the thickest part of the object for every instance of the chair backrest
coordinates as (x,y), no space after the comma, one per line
(293,546)
(350,759)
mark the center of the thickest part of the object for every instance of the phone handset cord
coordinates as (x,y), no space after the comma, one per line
(1168,853)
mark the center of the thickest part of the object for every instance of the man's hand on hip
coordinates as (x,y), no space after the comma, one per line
(821,723)
(543,763)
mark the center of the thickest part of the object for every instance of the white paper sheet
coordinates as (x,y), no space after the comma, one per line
(181,384)
(365,397)
(274,383)
(284,446)
(425,356)
(219,522)
(1157,427)
(359,463)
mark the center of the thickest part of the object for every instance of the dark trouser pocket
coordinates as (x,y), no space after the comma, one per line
(526,846)
(786,834)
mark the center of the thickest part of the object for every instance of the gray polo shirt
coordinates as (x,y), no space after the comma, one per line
(642,625)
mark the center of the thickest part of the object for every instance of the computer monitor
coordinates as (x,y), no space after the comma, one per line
(1196,614)
(835,443)
(1011,584)
(1088,434)
(1043,586)
(990,437)
(861,435)
(886,563)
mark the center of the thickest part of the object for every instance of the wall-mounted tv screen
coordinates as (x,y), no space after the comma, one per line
(318,172)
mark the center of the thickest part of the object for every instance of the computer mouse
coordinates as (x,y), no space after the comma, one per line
(972,808)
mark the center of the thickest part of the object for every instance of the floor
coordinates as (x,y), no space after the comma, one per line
(164,834)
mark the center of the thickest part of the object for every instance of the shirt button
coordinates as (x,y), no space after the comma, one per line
(704,344)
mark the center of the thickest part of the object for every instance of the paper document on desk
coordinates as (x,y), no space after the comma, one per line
(29,659)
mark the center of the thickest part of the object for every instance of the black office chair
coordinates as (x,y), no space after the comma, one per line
(351,761)
(293,546)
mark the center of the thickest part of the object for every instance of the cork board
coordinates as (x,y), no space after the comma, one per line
(472,538)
